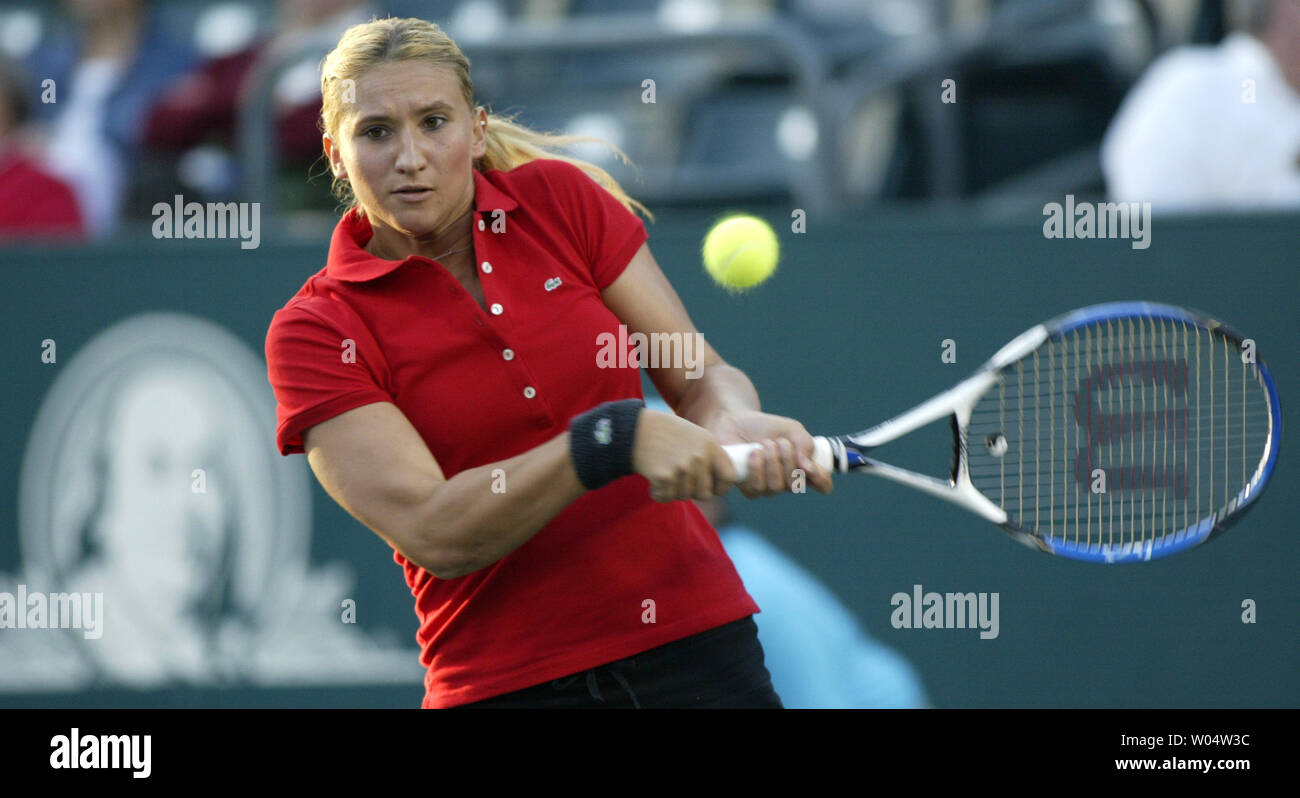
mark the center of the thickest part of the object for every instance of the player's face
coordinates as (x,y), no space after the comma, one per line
(408,144)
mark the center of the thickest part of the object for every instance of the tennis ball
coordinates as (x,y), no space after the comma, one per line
(741,252)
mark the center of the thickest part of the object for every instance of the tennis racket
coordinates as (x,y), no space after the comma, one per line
(1114,433)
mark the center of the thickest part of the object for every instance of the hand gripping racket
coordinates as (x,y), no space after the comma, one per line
(1117,432)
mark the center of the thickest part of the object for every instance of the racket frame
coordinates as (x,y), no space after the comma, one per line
(846,453)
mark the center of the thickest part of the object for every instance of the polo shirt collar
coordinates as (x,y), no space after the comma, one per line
(348,259)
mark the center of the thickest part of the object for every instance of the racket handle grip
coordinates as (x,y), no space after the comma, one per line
(739,454)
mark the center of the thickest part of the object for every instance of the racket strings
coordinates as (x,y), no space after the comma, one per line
(1157,431)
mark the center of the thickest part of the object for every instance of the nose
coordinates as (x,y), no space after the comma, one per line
(410,155)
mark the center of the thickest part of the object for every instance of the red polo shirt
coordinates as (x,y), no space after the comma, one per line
(480,387)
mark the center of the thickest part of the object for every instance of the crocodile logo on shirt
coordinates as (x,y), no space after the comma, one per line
(553,283)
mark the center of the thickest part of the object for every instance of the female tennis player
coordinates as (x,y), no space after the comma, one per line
(442,375)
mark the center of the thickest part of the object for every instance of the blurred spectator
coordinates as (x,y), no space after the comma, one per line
(202,108)
(33,203)
(1215,127)
(107,70)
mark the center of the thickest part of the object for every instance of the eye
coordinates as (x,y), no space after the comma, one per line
(429,119)
(370,132)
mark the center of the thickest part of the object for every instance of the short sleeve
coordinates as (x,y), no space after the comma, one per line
(607,233)
(319,369)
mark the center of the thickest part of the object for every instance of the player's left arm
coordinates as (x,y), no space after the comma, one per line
(704,389)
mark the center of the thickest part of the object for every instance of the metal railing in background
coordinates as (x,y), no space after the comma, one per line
(830,92)
(816,185)
(921,62)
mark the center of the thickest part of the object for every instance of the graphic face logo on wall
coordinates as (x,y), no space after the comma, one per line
(151,481)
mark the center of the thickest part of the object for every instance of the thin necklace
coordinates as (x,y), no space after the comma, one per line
(452,252)
(445,254)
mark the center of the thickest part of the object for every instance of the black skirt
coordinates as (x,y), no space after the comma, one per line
(721,668)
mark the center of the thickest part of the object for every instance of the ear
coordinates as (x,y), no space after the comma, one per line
(335,157)
(479,144)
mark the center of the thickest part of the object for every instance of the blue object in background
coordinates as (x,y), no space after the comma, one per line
(817,653)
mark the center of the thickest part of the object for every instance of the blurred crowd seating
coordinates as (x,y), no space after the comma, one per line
(824,103)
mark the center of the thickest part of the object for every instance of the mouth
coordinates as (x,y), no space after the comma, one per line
(413,193)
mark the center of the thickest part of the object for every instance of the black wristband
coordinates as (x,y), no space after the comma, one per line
(601,440)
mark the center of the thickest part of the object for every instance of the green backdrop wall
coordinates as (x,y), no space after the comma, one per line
(848,332)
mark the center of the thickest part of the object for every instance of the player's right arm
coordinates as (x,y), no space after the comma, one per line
(373,462)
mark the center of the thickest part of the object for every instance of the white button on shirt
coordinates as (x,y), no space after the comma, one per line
(529,393)
(497,309)
(508,354)
(487,267)
(481,224)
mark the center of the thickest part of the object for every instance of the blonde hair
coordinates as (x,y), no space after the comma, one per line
(393,39)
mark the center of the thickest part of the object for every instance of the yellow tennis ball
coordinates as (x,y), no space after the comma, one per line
(741,252)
